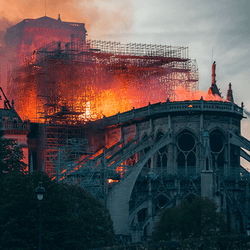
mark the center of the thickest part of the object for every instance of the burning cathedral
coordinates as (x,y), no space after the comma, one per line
(124,122)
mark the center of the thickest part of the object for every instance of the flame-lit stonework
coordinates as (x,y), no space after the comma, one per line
(127,123)
(157,155)
(51,72)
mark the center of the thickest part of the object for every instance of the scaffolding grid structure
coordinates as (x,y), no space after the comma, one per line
(63,85)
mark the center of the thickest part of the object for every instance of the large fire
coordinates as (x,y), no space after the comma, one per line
(71,82)
(183,95)
(99,102)
(58,89)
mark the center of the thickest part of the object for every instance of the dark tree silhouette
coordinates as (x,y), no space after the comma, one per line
(195,217)
(71,217)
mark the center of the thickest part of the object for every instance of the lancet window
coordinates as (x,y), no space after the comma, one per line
(218,150)
(162,154)
(186,153)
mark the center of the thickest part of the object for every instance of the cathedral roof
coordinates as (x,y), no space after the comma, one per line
(10,115)
(214,90)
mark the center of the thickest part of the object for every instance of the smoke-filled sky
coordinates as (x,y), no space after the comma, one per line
(214,30)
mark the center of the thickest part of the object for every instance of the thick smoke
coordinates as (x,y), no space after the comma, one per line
(104,20)
(110,18)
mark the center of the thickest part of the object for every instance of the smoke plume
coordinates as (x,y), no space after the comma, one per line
(102,18)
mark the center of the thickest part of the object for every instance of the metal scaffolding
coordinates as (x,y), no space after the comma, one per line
(63,85)
(73,75)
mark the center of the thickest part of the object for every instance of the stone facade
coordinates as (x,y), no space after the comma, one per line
(146,159)
(158,155)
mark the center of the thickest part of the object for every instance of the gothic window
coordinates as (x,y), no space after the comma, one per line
(191,159)
(186,154)
(217,150)
(181,163)
(162,157)
(160,202)
(220,160)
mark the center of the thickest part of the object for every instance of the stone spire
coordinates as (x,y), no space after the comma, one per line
(214,89)
(230,97)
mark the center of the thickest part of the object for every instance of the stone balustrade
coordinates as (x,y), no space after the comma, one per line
(15,126)
(168,107)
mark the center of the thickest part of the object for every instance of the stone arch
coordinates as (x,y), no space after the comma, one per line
(190,196)
(160,201)
(218,149)
(145,230)
(188,129)
(118,198)
(222,131)
(159,130)
(136,209)
(144,135)
(186,152)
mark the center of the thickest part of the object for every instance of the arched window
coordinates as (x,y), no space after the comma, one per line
(181,162)
(217,150)
(162,154)
(186,153)
(160,202)
(191,161)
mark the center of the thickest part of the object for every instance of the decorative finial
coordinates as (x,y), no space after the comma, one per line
(230,97)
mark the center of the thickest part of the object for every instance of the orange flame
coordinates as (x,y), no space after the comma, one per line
(121,170)
(184,95)
(111,180)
